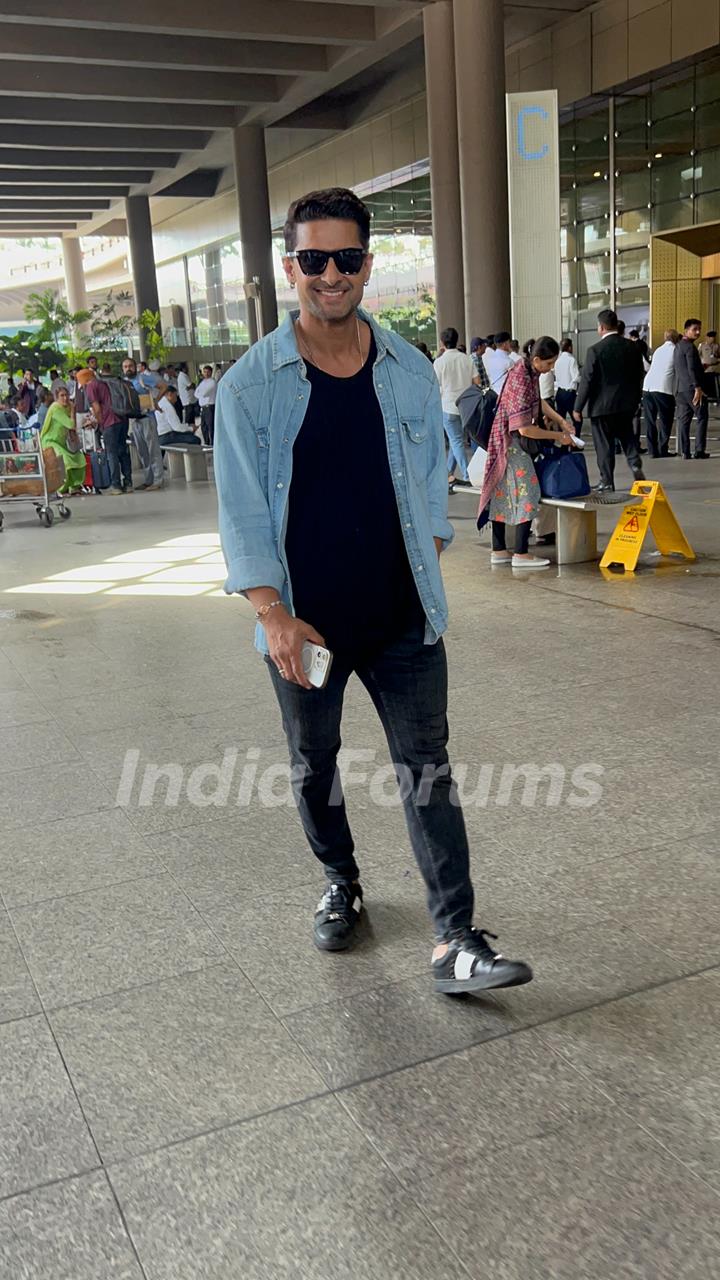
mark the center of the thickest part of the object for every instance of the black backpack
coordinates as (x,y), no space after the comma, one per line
(124,398)
(477,408)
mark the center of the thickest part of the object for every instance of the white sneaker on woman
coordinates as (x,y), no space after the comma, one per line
(529,562)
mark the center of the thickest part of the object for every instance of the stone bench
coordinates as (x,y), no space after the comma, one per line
(187,460)
(576,523)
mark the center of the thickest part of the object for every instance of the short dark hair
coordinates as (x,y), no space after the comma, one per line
(477,343)
(335,202)
(691,321)
(502,336)
(634,333)
(545,348)
(449,337)
(566,344)
(607,318)
(712,333)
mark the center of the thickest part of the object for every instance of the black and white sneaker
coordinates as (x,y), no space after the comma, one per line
(470,964)
(337,916)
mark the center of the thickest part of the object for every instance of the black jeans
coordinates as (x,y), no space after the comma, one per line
(115,440)
(685,411)
(522,536)
(614,428)
(207,423)
(407,682)
(658,407)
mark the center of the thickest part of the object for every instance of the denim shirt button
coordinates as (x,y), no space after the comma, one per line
(408,524)
(420,568)
(399,473)
(279,484)
(433,610)
(286,439)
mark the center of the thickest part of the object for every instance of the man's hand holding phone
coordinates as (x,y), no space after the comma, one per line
(286,636)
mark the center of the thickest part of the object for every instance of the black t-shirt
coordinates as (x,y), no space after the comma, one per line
(349,570)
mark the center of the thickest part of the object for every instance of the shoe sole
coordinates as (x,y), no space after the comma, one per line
(457,986)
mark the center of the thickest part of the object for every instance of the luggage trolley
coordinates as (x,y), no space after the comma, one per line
(22,459)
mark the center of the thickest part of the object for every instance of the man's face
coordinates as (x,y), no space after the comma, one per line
(129,368)
(330,297)
(207,371)
(506,346)
(92,363)
(693,332)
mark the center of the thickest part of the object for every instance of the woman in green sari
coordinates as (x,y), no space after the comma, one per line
(54,434)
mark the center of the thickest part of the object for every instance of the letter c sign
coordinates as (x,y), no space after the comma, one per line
(522,147)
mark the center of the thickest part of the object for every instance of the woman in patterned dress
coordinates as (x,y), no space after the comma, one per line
(511,491)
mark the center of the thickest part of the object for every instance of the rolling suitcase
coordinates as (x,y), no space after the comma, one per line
(100,469)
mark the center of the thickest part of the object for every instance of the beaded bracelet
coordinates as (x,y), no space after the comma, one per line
(264,609)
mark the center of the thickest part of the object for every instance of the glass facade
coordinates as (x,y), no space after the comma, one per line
(646,161)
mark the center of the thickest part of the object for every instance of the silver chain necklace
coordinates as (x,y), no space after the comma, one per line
(309,349)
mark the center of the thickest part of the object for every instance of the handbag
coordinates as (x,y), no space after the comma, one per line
(562,474)
(72,441)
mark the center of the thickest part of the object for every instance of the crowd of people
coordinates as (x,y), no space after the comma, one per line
(92,410)
(540,393)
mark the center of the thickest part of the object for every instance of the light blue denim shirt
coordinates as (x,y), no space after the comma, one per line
(261,406)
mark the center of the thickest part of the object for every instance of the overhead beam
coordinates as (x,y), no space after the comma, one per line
(93,160)
(42,189)
(58,205)
(48,137)
(292,20)
(69,177)
(33,43)
(25,230)
(124,115)
(54,216)
(135,82)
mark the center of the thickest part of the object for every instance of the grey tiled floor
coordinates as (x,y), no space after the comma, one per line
(188,1089)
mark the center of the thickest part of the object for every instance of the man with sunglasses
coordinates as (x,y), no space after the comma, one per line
(352,566)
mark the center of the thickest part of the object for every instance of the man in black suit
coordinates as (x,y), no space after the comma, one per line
(689,393)
(611,387)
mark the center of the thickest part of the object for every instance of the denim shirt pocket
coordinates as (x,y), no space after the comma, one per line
(415,434)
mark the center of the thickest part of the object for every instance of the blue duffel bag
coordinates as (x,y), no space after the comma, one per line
(562,475)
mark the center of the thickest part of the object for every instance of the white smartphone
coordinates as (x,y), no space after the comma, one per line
(316,664)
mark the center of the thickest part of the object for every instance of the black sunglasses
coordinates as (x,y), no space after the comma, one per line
(312,262)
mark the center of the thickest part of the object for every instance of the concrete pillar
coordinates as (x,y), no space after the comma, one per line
(75,279)
(255,228)
(142,258)
(444,165)
(482,148)
(215,290)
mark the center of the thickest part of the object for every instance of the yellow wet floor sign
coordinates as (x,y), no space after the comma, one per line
(654,513)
